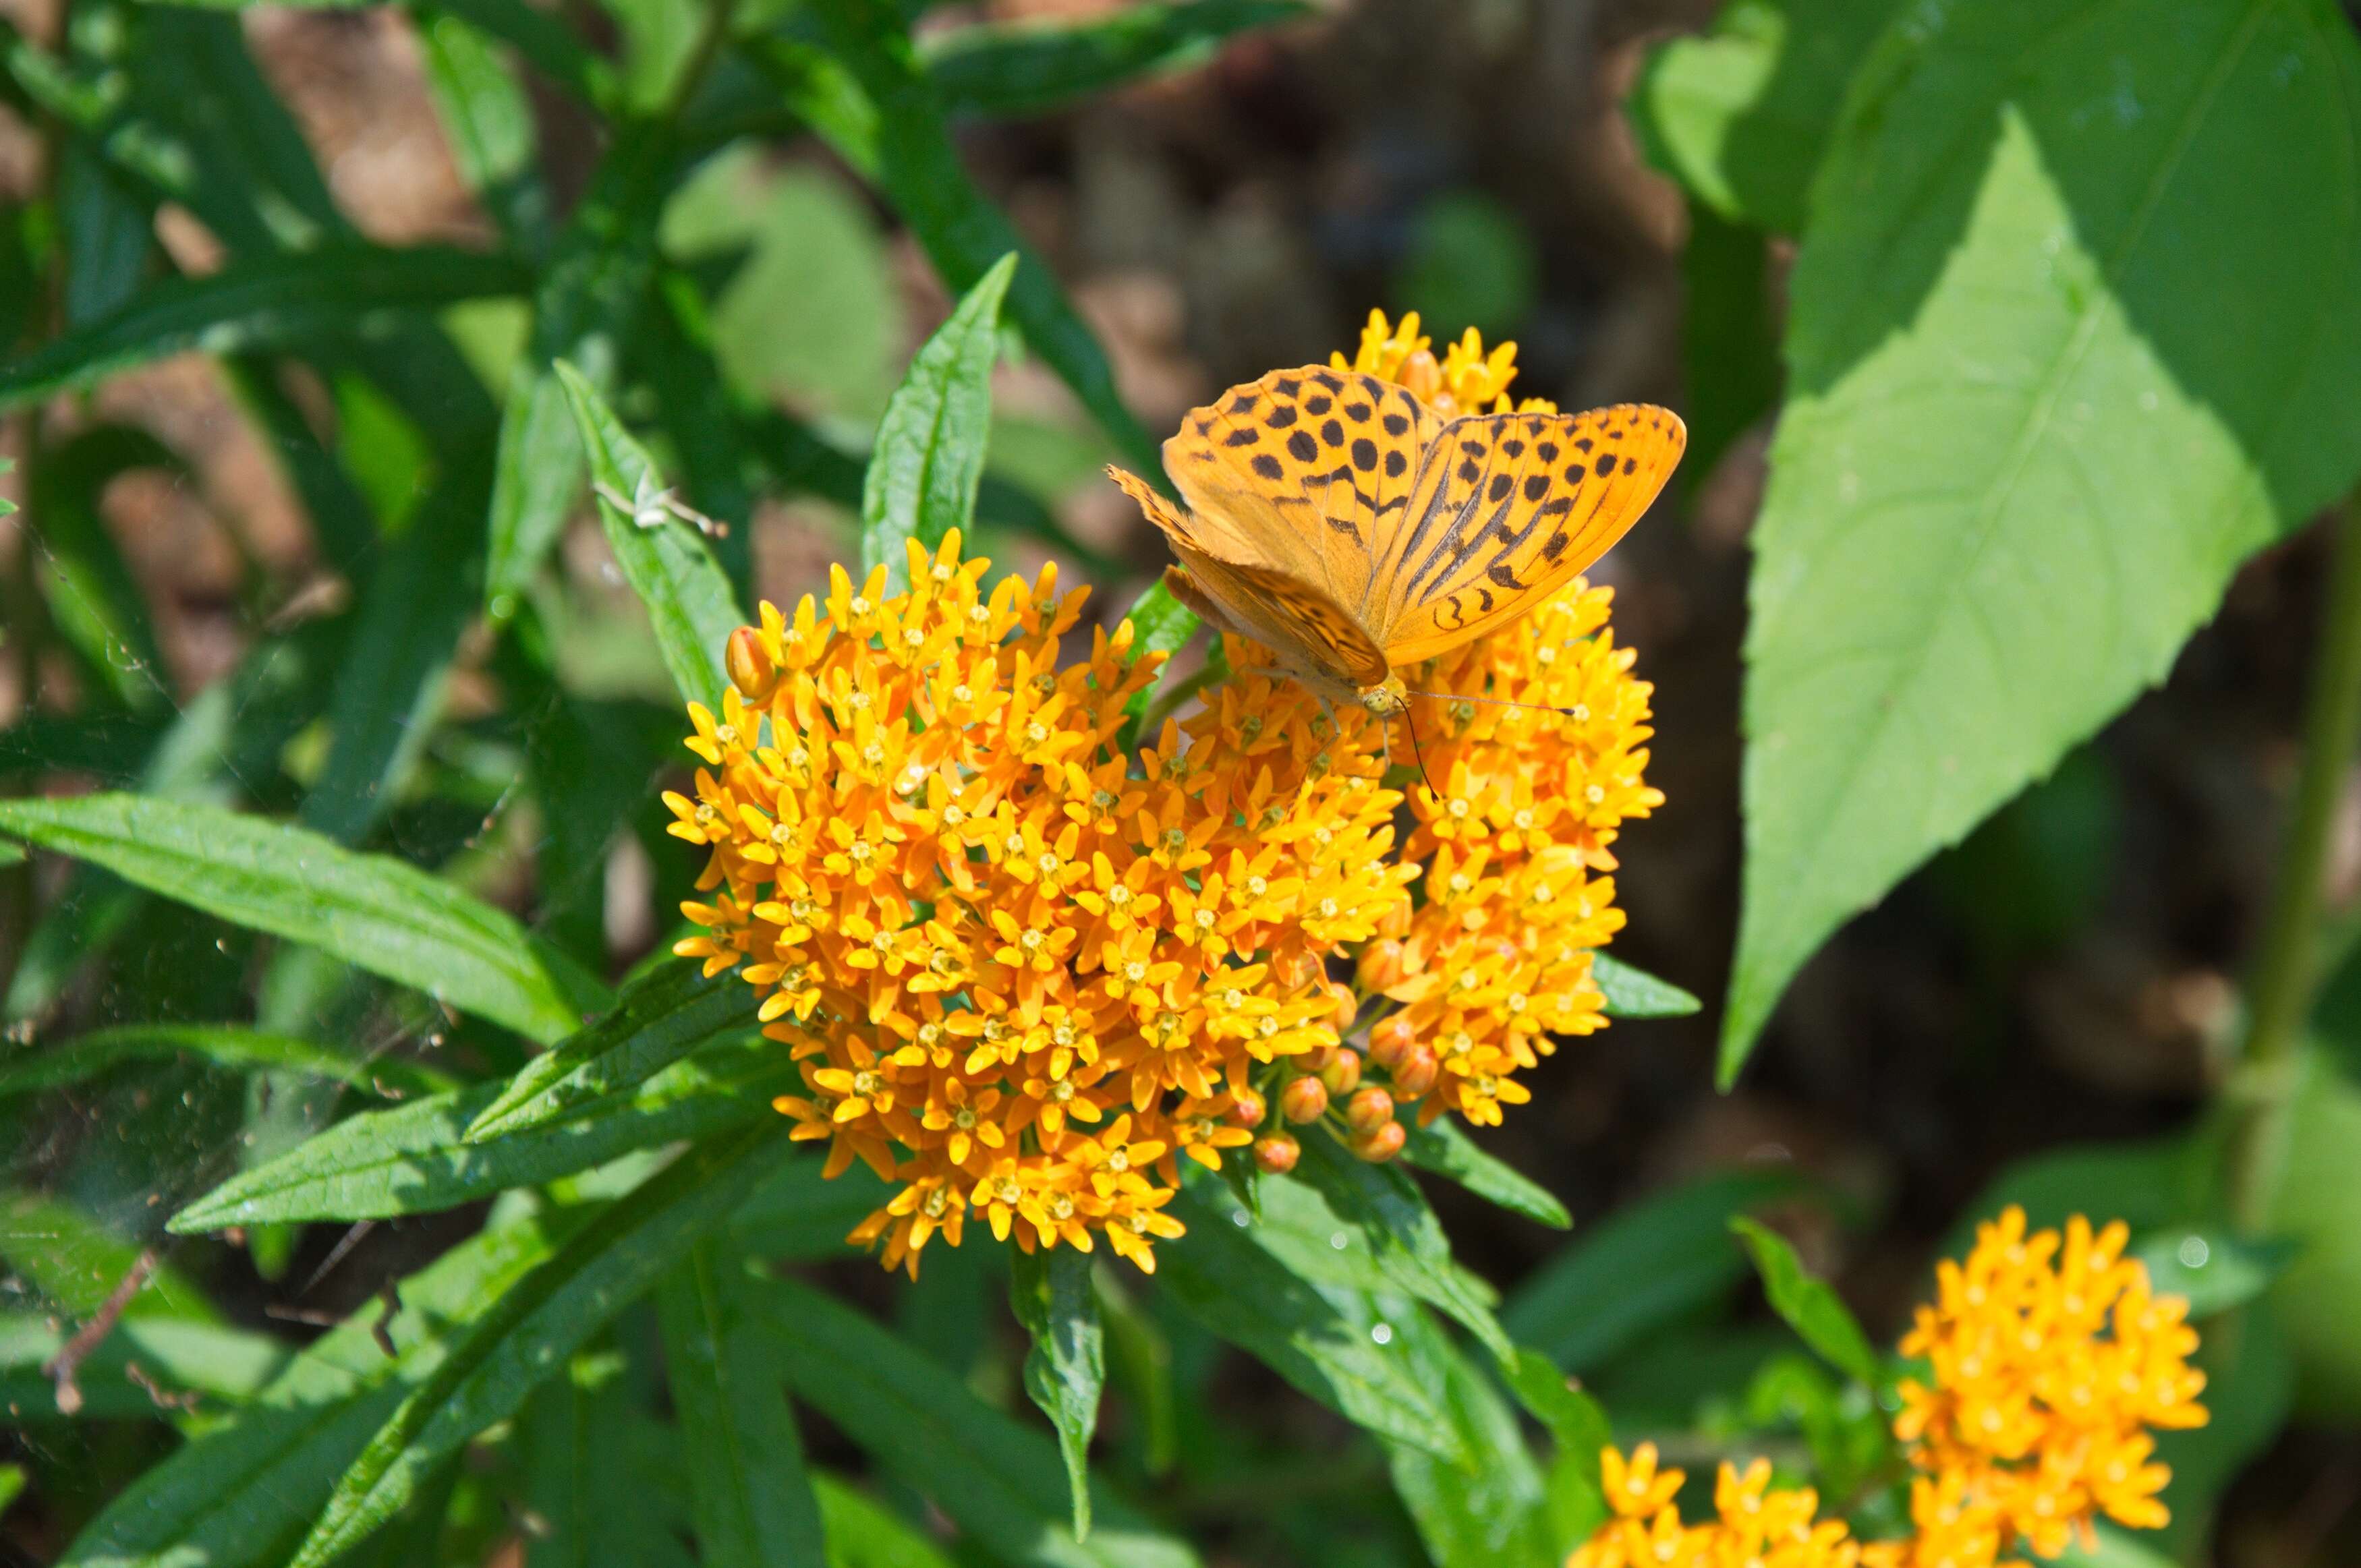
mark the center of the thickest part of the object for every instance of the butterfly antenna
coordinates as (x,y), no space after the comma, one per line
(1411,725)
(1497,702)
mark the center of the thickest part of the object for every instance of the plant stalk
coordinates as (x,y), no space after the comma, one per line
(2287,974)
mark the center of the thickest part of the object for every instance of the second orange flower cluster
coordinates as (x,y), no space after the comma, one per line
(2049,1361)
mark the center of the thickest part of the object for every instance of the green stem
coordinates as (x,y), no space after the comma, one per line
(2287,974)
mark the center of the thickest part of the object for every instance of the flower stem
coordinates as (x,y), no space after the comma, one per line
(2287,974)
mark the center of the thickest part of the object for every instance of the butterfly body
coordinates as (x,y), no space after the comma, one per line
(1340,523)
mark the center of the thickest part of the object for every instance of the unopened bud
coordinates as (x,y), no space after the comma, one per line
(1380,1144)
(1276,1152)
(1395,921)
(1341,1073)
(1296,970)
(750,670)
(1381,967)
(1304,1100)
(1247,1109)
(1416,1071)
(1390,1038)
(1368,1109)
(1348,1006)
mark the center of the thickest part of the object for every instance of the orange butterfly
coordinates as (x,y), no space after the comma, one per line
(1336,519)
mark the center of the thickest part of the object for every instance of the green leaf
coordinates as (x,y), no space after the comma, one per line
(176,1355)
(1742,114)
(73,1263)
(1577,1505)
(108,233)
(1634,993)
(1403,1234)
(1811,1307)
(2111,1548)
(929,454)
(801,1215)
(688,598)
(753,1504)
(487,122)
(862,1533)
(12,1485)
(373,912)
(417,1159)
(1323,1334)
(240,1495)
(878,109)
(1049,1289)
(1003,1483)
(2210,1269)
(1033,69)
(1445,1149)
(2017,466)
(1646,1263)
(226,1046)
(260,303)
(1489,1511)
(2317,1206)
(1729,346)
(93,598)
(536,1324)
(658,1018)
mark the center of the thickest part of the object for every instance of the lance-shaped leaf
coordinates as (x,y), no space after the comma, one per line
(1635,994)
(658,1019)
(265,302)
(1445,1148)
(1490,1511)
(1001,1481)
(86,1056)
(543,1319)
(2028,441)
(417,1159)
(663,556)
(1032,69)
(929,455)
(1050,1290)
(1810,1306)
(372,911)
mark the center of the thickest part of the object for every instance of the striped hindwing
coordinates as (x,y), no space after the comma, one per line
(1304,470)
(1313,636)
(1506,509)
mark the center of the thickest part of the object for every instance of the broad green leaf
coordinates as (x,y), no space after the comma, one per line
(929,454)
(1635,994)
(1646,1263)
(536,1324)
(176,1355)
(396,669)
(2018,462)
(863,1533)
(1730,346)
(656,1020)
(662,557)
(1051,1291)
(93,599)
(1000,1481)
(375,913)
(584,309)
(2252,1384)
(1810,1306)
(1491,1510)
(2318,1209)
(875,105)
(417,1159)
(1323,1334)
(2148,1185)
(1579,1428)
(87,1057)
(754,1502)
(260,303)
(1742,113)
(1021,69)
(1403,1235)
(1445,1148)
(2210,1269)
(241,1494)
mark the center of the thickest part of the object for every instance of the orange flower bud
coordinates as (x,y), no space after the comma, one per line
(1381,964)
(1381,1143)
(1247,1109)
(1390,1038)
(1297,969)
(1415,1071)
(1348,1006)
(1304,1100)
(1395,921)
(1368,1109)
(1341,1072)
(750,670)
(1276,1152)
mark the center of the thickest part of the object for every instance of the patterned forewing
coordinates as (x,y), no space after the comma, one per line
(1507,509)
(1309,631)
(1305,469)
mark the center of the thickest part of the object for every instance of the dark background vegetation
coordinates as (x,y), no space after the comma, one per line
(2066,976)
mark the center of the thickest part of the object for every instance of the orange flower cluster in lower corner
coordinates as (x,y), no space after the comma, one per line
(2050,1361)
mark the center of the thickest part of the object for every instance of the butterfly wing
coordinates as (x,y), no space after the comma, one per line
(1297,619)
(1303,470)
(1506,509)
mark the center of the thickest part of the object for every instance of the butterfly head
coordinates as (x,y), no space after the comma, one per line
(1385,699)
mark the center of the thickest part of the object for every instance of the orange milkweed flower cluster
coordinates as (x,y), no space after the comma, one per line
(1466,381)
(2050,1360)
(1027,973)
(1754,1523)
